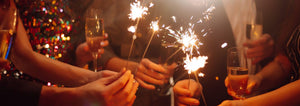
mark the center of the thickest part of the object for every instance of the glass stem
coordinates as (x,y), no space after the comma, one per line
(95,62)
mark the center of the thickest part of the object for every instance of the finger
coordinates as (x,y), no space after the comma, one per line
(132,101)
(104,43)
(265,39)
(195,88)
(231,93)
(250,86)
(151,73)
(180,104)
(226,82)
(125,92)
(181,91)
(150,65)
(106,73)
(254,54)
(119,83)
(132,92)
(172,66)
(145,85)
(149,79)
(188,100)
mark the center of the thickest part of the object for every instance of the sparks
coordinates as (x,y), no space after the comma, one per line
(154,25)
(137,11)
(132,29)
(194,63)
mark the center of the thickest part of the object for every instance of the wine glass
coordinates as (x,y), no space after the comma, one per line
(94,33)
(254,31)
(8,23)
(237,72)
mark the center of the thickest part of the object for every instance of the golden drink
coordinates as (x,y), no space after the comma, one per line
(238,80)
(5,44)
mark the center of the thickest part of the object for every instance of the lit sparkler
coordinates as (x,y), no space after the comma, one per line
(194,63)
(154,26)
(190,44)
(137,12)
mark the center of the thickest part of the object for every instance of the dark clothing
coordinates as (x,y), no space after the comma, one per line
(292,49)
(19,93)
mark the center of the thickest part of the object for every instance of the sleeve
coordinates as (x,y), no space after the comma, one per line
(19,93)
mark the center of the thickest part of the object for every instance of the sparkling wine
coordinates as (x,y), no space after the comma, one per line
(238,79)
(5,43)
(94,27)
(94,33)
(94,42)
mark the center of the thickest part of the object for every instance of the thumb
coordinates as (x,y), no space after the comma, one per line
(110,79)
(250,86)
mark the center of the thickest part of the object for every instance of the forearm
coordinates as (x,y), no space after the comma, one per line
(275,74)
(116,64)
(53,96)
(46,69)
(287,95)
(43,68)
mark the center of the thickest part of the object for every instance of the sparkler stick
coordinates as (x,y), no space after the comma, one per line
(202,95)
(194,64)
(137,12)
(155,27)
(172,55)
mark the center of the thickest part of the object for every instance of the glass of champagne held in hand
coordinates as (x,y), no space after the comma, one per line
(237,73)
(94,33)
(8,21)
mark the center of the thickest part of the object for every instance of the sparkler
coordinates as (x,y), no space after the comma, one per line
(154,26)
(193,65)
(137,12)
(190,44)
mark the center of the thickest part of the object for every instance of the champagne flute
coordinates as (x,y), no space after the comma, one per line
(254,31)
(237,72)
(94,33)
(7,30)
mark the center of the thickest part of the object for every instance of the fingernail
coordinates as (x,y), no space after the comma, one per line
(196,102)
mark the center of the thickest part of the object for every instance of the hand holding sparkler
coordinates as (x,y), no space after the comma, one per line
(186,91)
(149,74)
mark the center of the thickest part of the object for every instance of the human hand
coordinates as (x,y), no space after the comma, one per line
(252,88)
(115,90)
(232,103)
(260,49)
(187,94)
(84,54)
(149,74)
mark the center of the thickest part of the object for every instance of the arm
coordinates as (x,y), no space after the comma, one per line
(271,76)
(115,90)
(285,96)
(43,68)
(146,72)
(274,75)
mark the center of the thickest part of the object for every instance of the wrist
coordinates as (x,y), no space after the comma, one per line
(51,96)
